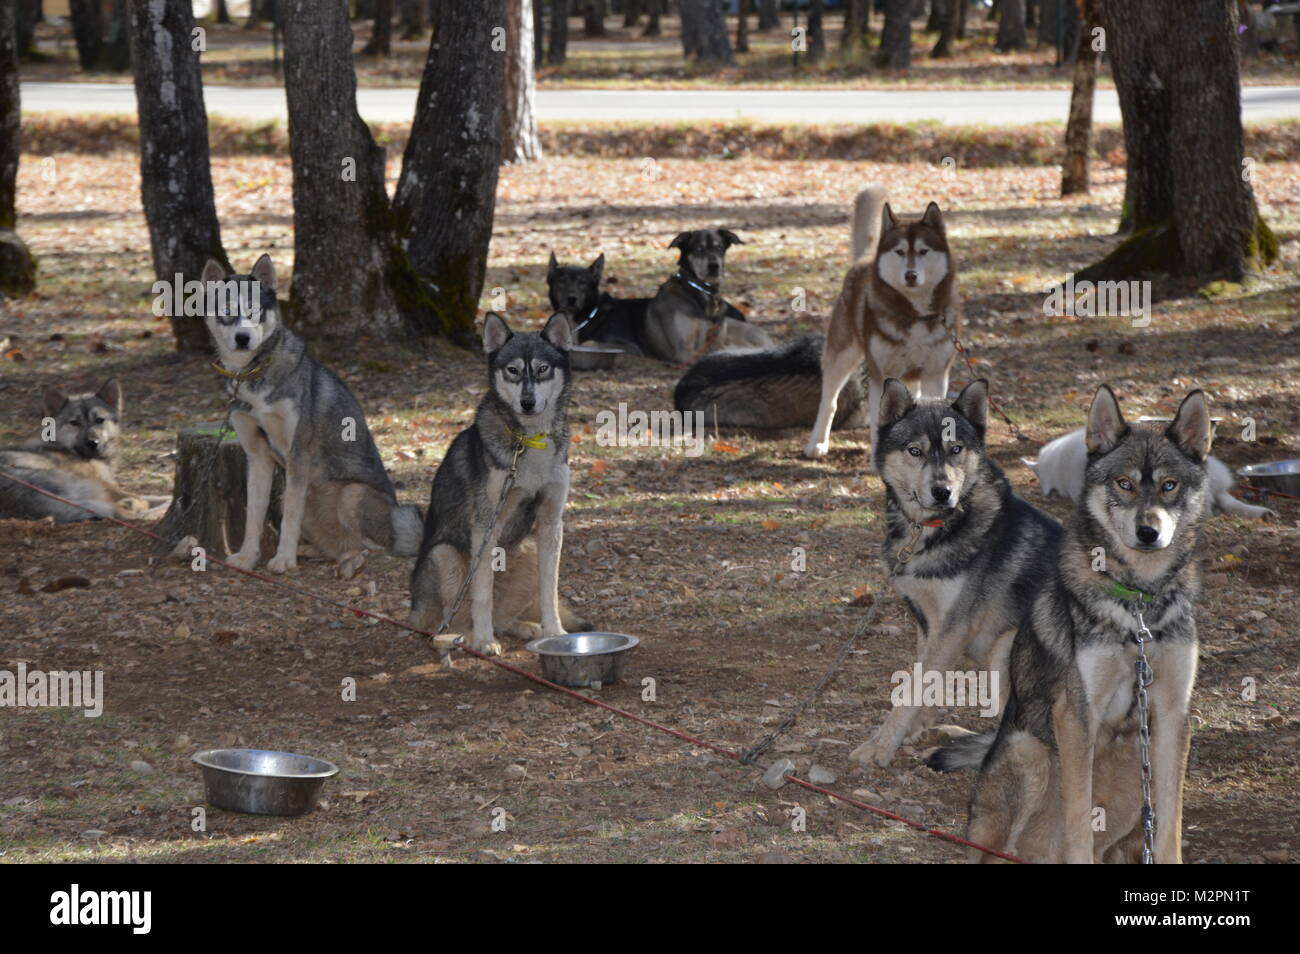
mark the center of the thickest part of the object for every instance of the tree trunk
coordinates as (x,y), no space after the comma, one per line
(519,142)
(854,35)
(947,28)
(934,23)
(962,8)
(559,32)
(17,268)
(87,32)
(175,178)
(1188,198)
(631,14)
(222,13)
(1078,132)
(447,190)
(896,36)
(769,15)
(653,9)
(539,34)
(381,37)
(348,266)
(816,34)
(411,19)
(742,26)
(708,40)
(593,18)
(1011,26)
(25,17)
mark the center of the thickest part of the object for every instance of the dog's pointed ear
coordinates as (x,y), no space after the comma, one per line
(597,268)
(551,267)
(933,217)
(495,332)
(1106,425)
(887,219)
(213,272)
(110,392)
(1192,429)
(681,240)
(973,404)
(264,272)
(558,331)
(895,401)
(54,400)
(730,238)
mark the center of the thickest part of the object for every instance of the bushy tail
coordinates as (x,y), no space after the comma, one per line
(965,753)
(868,209)
(408,527)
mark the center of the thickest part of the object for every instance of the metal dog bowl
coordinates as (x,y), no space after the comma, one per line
(591,358)
(1281,475)
(259,782)
(579,660)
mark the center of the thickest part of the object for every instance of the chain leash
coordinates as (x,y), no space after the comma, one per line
(1143,677)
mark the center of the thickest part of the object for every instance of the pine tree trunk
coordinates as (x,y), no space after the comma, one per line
(1078,131)
(17,268)
(654,9)
(447,190)
(559,50)
(1190,208)
(816,34)
(947,29)
(87,32)
(223,13)
(593,18)
(410,19)
(708,41)
(381,38)
(896,36)
(631,14)
(854,35)
(519,134)
(1011,26)
(175,178)
(962,9)
(769,15)
(742,26)
(25,17)
(347,262)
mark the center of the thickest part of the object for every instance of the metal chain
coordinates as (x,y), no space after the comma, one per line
(1143,677)
(905,553)
(961,350)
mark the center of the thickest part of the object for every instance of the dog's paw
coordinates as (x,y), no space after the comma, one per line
(243,560)
(350,565)
(521,629)
(485,644)
(282,563)
(873,754)
(814,450)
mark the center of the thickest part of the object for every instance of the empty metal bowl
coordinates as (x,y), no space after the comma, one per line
(263,783)
(579,660)
(1281,475)
(592,358)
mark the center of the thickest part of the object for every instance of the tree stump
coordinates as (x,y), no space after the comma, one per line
(209,495)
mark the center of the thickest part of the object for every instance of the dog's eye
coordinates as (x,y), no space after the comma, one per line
(923,252)
(1169,486)
(898,251)
(956,449)
(510,371)
(543,368)
(914,451)
(1125,484)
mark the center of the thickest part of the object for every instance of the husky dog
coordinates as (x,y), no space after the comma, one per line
(1068,740)
(897,310)
(597,316)
(1061,463)
(780,387)
(524,413)
(966,552)
(688,316)
(289,410)
(75,462)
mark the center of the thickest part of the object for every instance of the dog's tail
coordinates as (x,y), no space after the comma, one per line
(408,528)
(965,753)
(777,388)
(868,210)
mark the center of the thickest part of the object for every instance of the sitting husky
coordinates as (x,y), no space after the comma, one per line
(967,554)
(75,462)
(523,419)
(293,412)
(1068,742)
(1061,463)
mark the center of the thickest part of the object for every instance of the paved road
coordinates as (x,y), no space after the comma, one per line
(994,107)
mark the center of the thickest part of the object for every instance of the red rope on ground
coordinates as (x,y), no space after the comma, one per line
(533,677)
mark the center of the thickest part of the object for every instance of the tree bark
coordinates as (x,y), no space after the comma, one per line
(769,15)
(222,13)
(348,265)
(708,40)
(593,18)
(653,10)
(1011,26)
(631,14)
(411,21)
(87,32)
(816,32)
(962,9)
(742,26)
(1078,131)
(1188,199)
(854,35)
(948,26)
(519,142)
(559,50)
(896,36)
(446,195)
(25,17)
(17,267)
(381,37)
(175,177)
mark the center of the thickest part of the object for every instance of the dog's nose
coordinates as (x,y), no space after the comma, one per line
(714,268)
(1148,535)
(527,404)
(940,493)
(241,340)
(92,443)
(909,277)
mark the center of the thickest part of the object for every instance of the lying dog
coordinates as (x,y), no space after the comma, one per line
(75,461)
(597,316)
(1061,464)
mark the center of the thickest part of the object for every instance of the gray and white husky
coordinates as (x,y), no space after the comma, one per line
(969,553)
(291,411)
(524,412)
(1068,741)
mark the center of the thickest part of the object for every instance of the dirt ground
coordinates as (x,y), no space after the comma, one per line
(691,555)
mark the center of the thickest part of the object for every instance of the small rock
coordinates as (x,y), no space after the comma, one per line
(141,766)
(182,631)
(821,775)
(516,772)
(1278,856)
(182,743)
(867,795)
(93,834)
(774,777)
